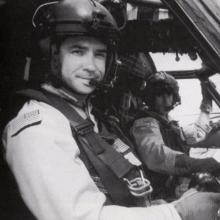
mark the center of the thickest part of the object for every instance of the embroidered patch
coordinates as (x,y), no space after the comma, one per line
(24,121)
(120,146)
(146,123)
(151,125)
(132,159)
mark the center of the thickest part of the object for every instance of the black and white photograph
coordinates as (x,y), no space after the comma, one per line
(110,109)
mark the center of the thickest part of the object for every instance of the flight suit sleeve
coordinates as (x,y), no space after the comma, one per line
(150,146)
(53,181)
(197,131)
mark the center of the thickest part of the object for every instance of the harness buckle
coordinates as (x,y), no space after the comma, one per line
(84,128)
(140,188)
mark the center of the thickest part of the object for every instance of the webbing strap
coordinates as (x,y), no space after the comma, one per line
(84,129)
(97,150)
(117,189)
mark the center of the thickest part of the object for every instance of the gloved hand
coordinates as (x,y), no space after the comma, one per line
(215,125)
(206,104)
(205,182)
(194,205)
(187,165)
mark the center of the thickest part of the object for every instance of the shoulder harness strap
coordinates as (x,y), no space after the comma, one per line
(98,151)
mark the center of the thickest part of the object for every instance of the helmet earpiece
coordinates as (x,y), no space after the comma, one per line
(55,61)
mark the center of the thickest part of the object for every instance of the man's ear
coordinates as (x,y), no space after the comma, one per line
(55,61)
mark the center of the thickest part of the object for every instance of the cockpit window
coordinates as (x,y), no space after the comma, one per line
(191,97)
(175,62)
(216,80)
(202,19)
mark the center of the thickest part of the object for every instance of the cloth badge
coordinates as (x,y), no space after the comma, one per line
(24,121)
(120,146)
(123,148)
(132,159)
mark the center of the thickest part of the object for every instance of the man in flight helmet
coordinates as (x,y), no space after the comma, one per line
(157,85)
(66,161)
(162,144)
(131,76)
(53,23)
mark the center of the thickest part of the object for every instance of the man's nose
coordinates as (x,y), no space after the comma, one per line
(90,63)
(167,99)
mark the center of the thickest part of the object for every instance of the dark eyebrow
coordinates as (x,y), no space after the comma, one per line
(74,46)
(82,48)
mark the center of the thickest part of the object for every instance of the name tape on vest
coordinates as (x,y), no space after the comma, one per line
(25,120)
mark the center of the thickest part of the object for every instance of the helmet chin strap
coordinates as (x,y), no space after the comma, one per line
(106,84)
(100,85)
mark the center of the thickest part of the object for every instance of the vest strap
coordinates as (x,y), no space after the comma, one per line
(102,149)
(98,151)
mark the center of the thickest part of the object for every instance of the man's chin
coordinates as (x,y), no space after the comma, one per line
(87,89)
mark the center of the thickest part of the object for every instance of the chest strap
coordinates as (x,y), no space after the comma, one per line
(83,130)
(98,151)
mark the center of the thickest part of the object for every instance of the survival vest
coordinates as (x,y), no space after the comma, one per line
(170,131)
(164,185)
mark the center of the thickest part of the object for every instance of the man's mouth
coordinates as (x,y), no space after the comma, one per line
(168,108)
(90,82)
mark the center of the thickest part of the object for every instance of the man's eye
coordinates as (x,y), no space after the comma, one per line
(101,54)
(77,52)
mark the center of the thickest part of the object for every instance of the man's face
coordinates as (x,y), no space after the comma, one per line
(82,59)
(163,103)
